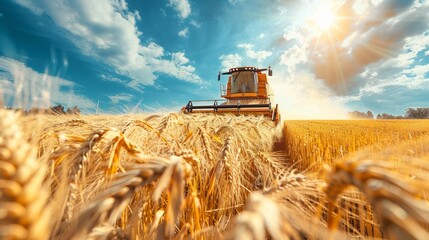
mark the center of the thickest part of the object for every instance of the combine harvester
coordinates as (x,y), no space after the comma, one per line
(247,92)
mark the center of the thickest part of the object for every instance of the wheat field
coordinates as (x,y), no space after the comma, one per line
(176,176)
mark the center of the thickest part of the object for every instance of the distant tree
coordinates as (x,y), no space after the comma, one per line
(73,110)
(36,110)
(388,116)
(19,110)
(385,116)
(361,115)
(417,113)
(59,109)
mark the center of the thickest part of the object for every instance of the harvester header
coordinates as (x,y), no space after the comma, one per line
(246,92)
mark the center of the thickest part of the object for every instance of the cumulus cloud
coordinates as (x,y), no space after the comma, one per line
(26,88)
(121,97)
(380,34)
(373,58)
(250,53)
(404,70)
(397,83)
(181,6)
(294,56)
(179,58)
(184,33)
(173,64)
(230,61)
(107,31)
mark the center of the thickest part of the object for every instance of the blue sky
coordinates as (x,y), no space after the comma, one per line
(329,57)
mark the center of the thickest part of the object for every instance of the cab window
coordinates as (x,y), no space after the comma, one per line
(244,82)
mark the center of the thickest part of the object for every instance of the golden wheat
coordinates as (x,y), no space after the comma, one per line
(217,176)
(314,143)
(24,209)
(397,190)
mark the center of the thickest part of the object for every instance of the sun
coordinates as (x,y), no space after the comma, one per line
(325,21)
(322,18)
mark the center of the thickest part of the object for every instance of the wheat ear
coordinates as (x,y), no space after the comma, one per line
(109,204)
(394,199)
(261,216)
(25,213)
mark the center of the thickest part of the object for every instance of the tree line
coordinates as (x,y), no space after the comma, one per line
(54,110)
(410,113)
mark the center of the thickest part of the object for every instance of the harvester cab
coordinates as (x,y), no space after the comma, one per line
(247,92)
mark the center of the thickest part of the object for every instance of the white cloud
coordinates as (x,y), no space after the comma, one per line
(182,6)
(184,33)
(339,56)
(362,7)
(417,72)
(107,31)
(259,55)
(230,61)
(179,58)
(293,34)
(152,50)
(293,56)
(108,78)
(177,66)
(261,35)
(195,23)
(121,97)
(400,71)
(413,46)
(27,88)
(233,2)
(245,45)
(31,5)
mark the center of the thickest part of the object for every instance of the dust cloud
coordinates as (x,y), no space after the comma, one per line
(302,96)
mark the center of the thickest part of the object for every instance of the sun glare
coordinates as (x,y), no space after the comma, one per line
(325,21)
(322,18)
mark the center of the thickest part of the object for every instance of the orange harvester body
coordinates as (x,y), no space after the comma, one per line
(247,92)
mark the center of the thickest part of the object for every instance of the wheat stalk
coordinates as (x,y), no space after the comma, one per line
(108,205)
(107,232)
(24,208)
(401,213)
(261,216)
(207,189)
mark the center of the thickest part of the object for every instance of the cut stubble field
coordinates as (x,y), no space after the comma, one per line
(199,176)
